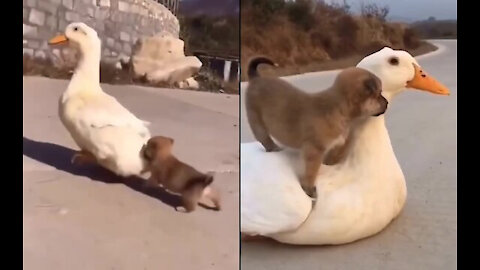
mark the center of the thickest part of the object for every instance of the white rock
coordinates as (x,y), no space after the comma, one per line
(40,55)
(162,59)
(192,83)
(182,84)
(175,70)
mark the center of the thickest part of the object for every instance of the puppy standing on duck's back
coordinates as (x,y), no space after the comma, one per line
(319,124)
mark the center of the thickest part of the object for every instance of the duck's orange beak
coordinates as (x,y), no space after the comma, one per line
(60,39)
(423,81)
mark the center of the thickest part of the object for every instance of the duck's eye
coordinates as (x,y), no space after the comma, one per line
(75,29)
(393,61)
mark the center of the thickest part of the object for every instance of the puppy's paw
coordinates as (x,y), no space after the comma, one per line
(310,191)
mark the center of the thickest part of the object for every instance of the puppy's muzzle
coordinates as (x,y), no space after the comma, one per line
(383,106)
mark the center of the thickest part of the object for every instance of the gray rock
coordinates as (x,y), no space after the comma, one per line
(104,3)
(99,26)
(124,36)
(110,42)
(40,55)
(31,3)
(25,13)
(72,16)
(56,53)
(33,44)
(101,13)
(91,12)
(127,48)
(47,6)
(116,17)
(29,31)
(28,52)
(68,4)
(123,6)
(44,45)
(37,17)
(52,22)
(118,47)
(62,25)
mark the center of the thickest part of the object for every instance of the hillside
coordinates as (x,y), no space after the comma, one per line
(214,35)
(299,34)
(436,29)
(209,7)
(210,26)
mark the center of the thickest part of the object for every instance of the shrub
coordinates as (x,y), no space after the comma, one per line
(374,11)
(410,38)
(300,13)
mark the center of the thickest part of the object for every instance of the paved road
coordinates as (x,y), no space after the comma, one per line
(423,130)
(84,218)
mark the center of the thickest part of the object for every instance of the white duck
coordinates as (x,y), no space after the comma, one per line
(356,198)
(105,131)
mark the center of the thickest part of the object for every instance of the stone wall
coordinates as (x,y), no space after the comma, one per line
(119,23)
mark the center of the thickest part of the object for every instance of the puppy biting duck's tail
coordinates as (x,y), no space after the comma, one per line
(253,65)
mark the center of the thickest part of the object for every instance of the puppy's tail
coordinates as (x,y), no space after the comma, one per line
(208,179)
(254,62)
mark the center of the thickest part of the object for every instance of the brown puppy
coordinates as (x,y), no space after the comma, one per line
(319,124)
(175,175)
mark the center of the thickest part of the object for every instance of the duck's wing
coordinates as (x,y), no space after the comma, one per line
(272,199)
(106,111)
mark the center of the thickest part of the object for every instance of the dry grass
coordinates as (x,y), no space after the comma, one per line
(331,38)
(340,63)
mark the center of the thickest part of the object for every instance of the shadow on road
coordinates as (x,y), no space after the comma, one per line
(59,157)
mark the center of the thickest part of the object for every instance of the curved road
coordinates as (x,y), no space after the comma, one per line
(423,131)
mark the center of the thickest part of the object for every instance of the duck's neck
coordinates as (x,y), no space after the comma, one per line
(371,139)
(87,73)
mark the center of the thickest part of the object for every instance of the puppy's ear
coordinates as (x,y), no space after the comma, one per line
(147,152)
(171,140)
(370,84)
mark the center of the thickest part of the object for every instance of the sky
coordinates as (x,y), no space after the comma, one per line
(412,9)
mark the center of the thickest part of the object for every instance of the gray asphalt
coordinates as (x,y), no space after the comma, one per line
(423,131)
(84,218)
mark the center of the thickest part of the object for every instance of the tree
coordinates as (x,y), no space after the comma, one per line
(374,11)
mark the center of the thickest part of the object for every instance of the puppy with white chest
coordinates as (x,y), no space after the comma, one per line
(176,176)
(318,124)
